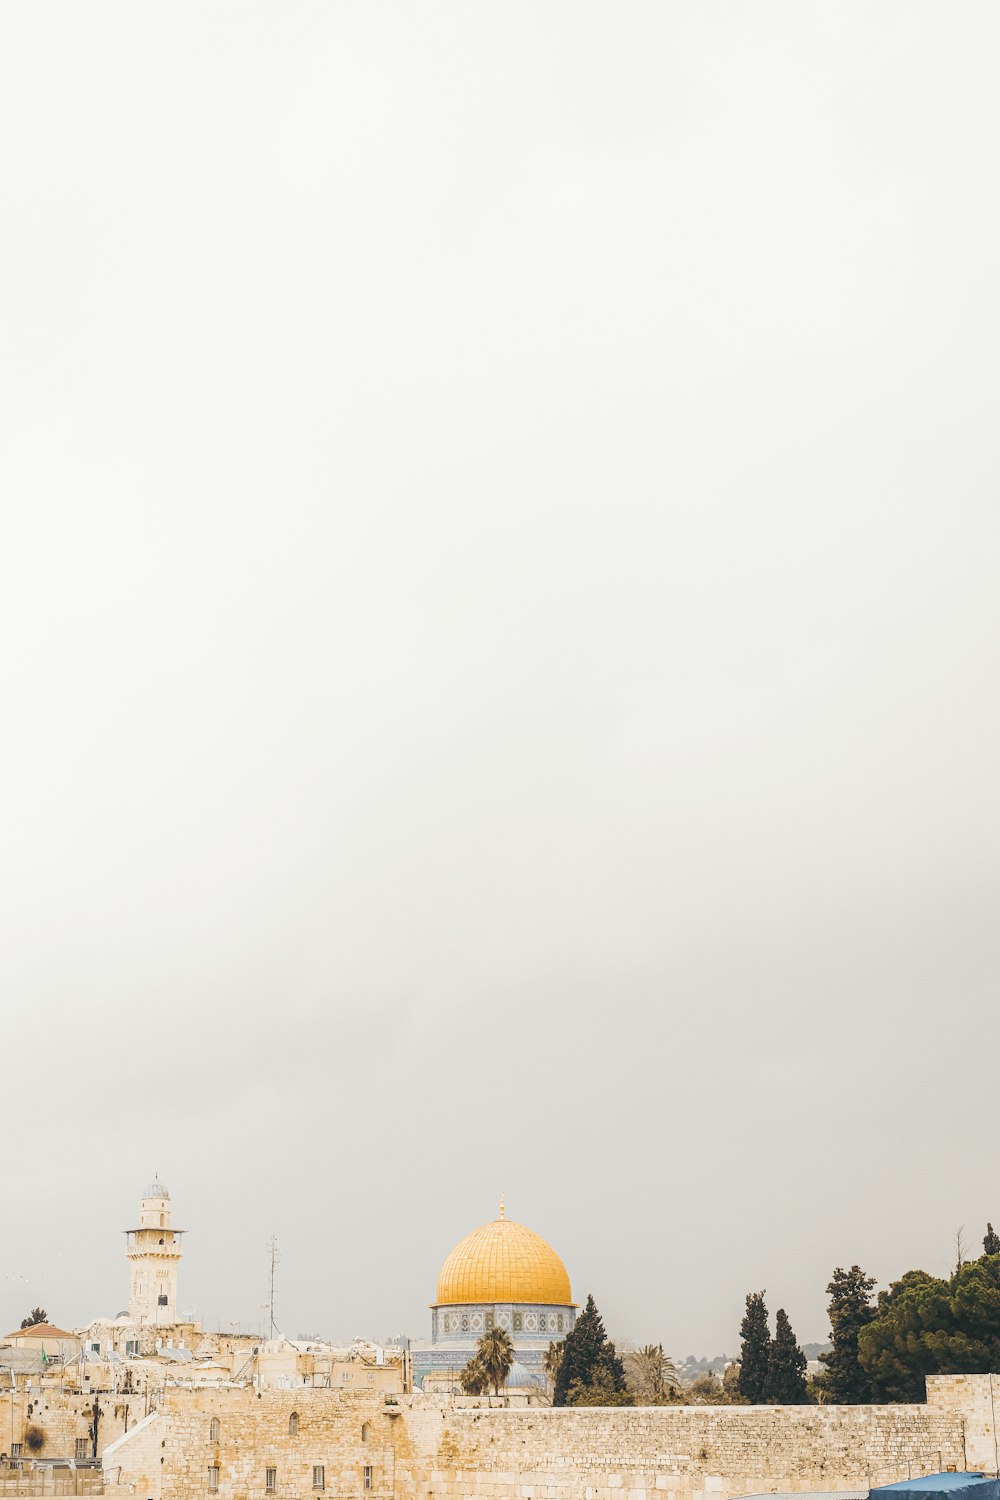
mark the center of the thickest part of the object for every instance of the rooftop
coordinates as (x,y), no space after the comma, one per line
(39,1331)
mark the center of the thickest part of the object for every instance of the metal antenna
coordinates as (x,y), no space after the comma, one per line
(273,1249)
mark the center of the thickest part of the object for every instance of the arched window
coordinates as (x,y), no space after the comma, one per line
(366,1432)
(214,1428)
(293,1424)
(163,1220)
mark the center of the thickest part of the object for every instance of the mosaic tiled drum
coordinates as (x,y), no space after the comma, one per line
(502,1275)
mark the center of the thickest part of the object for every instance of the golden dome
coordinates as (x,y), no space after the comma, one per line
(504,1262)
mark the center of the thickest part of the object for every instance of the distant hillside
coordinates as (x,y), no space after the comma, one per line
(693,1366)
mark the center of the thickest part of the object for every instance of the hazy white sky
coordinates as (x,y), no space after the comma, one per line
(498,647)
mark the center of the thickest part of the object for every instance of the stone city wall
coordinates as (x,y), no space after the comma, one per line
(61,1417)
(417,1448)
(976,1399)
(671,1453)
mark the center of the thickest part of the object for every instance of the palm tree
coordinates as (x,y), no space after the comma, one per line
(651,1373)
(552,1359)
(665,1374)
(474,1377)
(495,1351)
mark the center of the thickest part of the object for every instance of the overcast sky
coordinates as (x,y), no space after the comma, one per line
(498,648)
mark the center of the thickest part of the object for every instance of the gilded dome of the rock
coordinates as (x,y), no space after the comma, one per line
(503,1262)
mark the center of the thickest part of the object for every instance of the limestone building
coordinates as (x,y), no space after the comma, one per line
(153,1250)
(502,1275)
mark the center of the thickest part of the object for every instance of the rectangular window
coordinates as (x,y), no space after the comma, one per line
(345,1375)
(371,1378)
(213,1479)
(270,1481)
(319,1477)
(16,1449)
(368,1476)
(82,1447)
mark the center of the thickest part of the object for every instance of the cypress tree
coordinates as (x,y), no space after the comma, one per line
(610,1367)
(755,1352)
(786,1369)
(991,1241)
(581,1347)
(589,1359)
(850,1309)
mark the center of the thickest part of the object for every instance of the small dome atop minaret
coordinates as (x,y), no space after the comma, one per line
(156,1190)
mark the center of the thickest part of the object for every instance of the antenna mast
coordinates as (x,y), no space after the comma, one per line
(273,1251)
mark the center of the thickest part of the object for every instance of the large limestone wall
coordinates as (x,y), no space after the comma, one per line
(63,1416)
(671,1453)
(976,1399)
(421,1449)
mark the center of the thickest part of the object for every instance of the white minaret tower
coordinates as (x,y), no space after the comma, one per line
(154,1253)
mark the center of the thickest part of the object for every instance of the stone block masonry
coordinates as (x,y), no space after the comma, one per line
(62,1419)
(679,1453)
(240,1444)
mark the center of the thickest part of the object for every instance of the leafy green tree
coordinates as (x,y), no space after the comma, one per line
(755,1352)
(603,1390)
(609,1378)
(786,1368)
(495,1351)
(846,1381)
(991,1241)
(36,1315)
(707,1390)
(589,1363)
(925,1325)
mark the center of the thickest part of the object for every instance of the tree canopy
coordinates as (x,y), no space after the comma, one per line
(36,1315)
(650,1375)
(786,1368)
(490,1364)
(925,1325)
(846,1381)
(755,1351)
(590,1372)
(496,1351)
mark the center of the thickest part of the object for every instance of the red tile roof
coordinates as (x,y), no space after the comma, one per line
(39,1331)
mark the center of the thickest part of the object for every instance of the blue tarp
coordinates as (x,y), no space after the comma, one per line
(947,1486)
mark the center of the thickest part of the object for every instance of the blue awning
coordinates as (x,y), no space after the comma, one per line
(948,1486)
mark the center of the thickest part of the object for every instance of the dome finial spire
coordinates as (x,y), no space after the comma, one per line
(503,1211)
